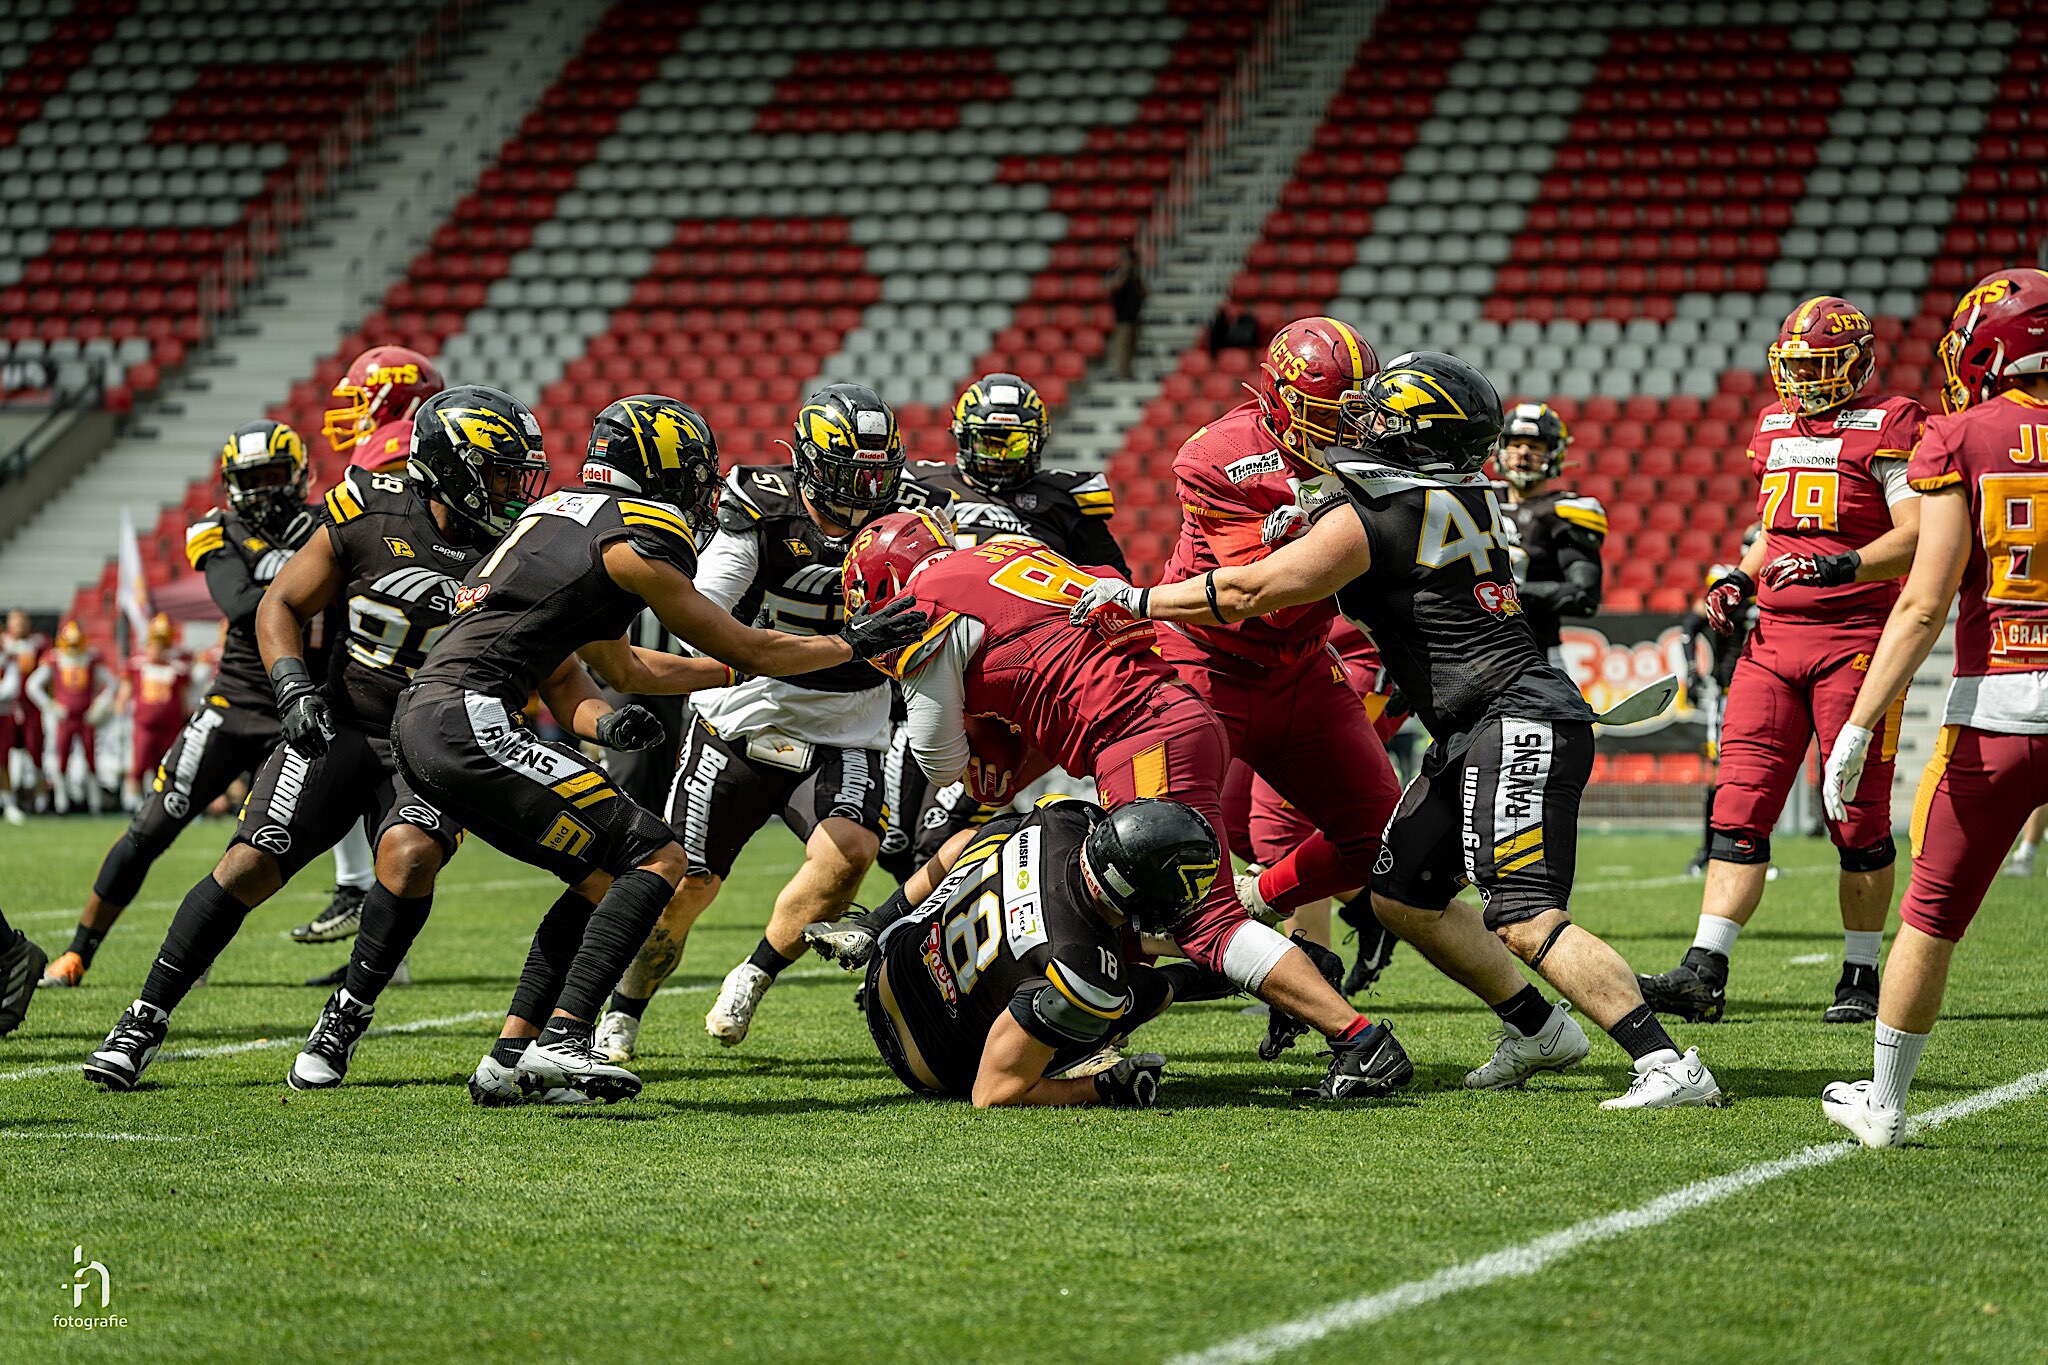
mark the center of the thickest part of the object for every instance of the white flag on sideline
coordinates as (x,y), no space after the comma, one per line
(134,586)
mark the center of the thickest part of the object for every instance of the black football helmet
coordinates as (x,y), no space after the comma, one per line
(1153,861)
(477,451)
(263,468)
(1424,411)
(1000,423)
(849,454)
(1533,424)
(660,447)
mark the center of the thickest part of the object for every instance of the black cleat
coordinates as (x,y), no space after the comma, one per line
(1855,996)
(323,1062)
(847,942)
(1370,1066)
(1283,1028)
(129,1049)
(1696,990)
(21,967)
(1375,945)
(341,919)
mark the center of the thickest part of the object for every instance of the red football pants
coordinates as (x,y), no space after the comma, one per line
(151,743)
(1179,750)
(1975,793)
(73,731)
(1795,684)
(1263,825)
(1302,729)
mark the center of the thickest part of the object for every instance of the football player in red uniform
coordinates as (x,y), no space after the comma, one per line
(1839,524)
(1001,646)
(1983,472)
(153,693)
(381,390)
(75,690)
(1243,483)
(21,728)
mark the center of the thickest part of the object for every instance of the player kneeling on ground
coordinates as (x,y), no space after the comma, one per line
(1008,985)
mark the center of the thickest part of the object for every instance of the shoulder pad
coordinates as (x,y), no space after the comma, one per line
(345,501)
(910,661)
(1078,1003)
(759,493)
(1583,512)
(658,531)
(1091,493)
(203,537)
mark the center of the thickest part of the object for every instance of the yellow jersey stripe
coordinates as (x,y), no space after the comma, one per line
(1584,517)
(197,548)
(1058,980)
(1528,838)
(911,657)
(650,512)
(1930,484)
(342,504)
(1528,859)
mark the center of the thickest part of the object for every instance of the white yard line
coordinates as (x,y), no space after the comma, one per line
(1530,1257)
(96,1137)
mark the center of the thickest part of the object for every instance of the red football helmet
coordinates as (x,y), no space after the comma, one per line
(162,631)
(1309,366)
(384,384)
(71,636)
(884,554)
(1998,333)
(1823,356)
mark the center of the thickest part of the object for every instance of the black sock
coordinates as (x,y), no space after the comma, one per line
(205,923)
(1708,963)
(1526,1012)
(769,960)
(617,928)
(85,942)
(1639,1032)
(5,932)
(560,1027)
(1357,912)
(1190,982)
(626,1004)
(508,1050)
(547,963)
(390,924)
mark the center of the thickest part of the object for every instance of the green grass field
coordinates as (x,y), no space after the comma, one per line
(785,1200)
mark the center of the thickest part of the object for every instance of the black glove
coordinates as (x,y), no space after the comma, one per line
(1132,1083)
(302,711)
(883,632)
(1819,571)
(1725,597)
(630,729)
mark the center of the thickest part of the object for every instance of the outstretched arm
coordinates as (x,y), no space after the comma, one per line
(651,672)
(1334,552)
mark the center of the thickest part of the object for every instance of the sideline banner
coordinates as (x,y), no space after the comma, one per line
(1613,654)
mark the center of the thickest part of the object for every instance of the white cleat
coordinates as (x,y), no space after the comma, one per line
(570,1063)
(1560,1045)
(1851,1105)
(1669,1084)
(617,1035)
(2020,865)
(495,1085)
(1254,903)
(732,1014)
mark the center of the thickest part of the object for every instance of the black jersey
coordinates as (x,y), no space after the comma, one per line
(1010,928)
(1558,535)
(543,593)
(1065,509)
(1440,602)
(796,585)
(241,679)
(401,573)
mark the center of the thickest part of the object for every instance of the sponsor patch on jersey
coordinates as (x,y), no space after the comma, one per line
(399,549)
(577,507)
(1860,419)
(1027,502)
(1860,664)
(1502,599)
(447,552)
(1251,466)
(1804,452)
(1777,421)
(2013,635)
(798,547)
(467,597)
(273,839)
(935,967)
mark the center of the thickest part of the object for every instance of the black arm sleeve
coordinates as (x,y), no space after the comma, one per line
(235,591)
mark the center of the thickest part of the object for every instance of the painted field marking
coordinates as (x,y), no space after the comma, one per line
(96,1137)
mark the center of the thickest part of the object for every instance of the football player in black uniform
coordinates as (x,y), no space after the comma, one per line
(809,748)
(21,964)
(997,489)
(391,552)
(1005,985)
(1558,532)
(240,548)
(569,580)
(1415,552)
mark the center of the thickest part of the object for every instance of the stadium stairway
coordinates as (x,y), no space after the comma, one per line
(1209,241)
(426,157)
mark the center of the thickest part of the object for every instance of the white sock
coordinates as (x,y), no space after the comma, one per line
(354,864)
(1896,1057)
(1861,946)
(2025,852)
(1717,935)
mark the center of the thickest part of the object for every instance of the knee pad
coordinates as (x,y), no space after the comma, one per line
(1253,951)
(1871,857)
(1739,846)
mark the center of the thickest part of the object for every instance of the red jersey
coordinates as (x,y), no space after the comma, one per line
(26,651)
(388,444)
(1062,685)
(1241,497)
(1998,452)
(75,679)
(157,689)
(1819,494)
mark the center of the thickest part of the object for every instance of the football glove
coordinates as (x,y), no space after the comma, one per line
(302,711)
(1818,571)
(629,729)
(1132,1083)
(1725,598)
(1114,610)
(1844,771)
(894,627)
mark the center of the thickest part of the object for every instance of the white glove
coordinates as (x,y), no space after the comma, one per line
(1109,604)
(1844,771)
(1283,523)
